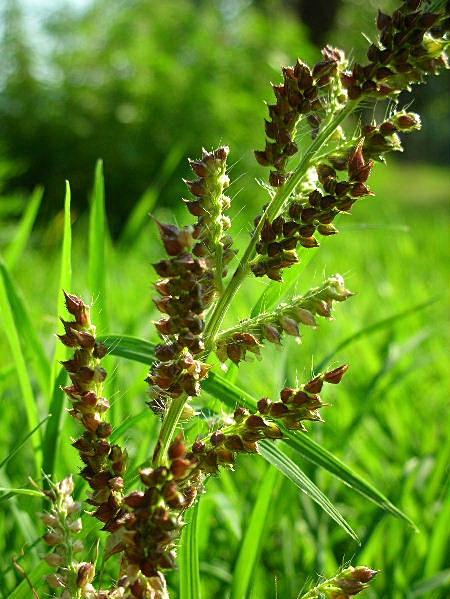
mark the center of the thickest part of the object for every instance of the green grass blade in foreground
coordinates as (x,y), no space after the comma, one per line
(276,455)
(15,250)
(374,328)
(65,282)
(254,535)
(305,447)
(11,492)
(131,348)
(139,215)
(54,426)
(231,395)
(55,423)
(275,291)
(97,242)
(21,443)
(23,591)
(27,331)
(188,562)
(29,400)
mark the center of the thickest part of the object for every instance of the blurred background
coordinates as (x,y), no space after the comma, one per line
(143,85)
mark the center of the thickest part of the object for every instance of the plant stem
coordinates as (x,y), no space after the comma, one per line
(276,204)
(218,313)
(168,427)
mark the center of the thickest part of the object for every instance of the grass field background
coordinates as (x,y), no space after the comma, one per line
(388,420)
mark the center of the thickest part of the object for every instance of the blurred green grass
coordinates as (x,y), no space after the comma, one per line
(388,420)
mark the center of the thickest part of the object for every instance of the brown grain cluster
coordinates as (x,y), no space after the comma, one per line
(104,462)
(405,52)
(299,95)
(189,281)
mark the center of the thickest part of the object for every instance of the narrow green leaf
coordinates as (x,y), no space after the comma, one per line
(6,372)
(30,404)
(21,443)
(440,581)
(190,587)
(23,591)
(131,348)
(253,539)
(139,215)
(374,328)
(142,351)
(319,456)
(30,492)
(50,442)
(31,344)
(129,423)
(65,282)
(15,250)
(55,423)
(97,242)
(276,455)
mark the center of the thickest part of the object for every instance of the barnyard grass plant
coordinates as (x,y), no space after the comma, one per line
(319,159)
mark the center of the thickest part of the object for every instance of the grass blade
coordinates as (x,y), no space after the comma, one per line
(139,215)
(29,400)
(276,455)
(319,456)
(97,242)
(50,442)
(30,492)
(374,328)
(65,282)
(15,250)
(35,577)
(190,587)
(21,443)
(253,539)
(142,351)
(31,343)
(55,423)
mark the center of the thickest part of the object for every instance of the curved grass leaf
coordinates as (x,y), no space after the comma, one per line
(374,328)
(231,395)
(131,348)
(190,587)
(97,241)
(54,425)
(21,443)
(139,215)
(15,249)
(277,456)
(23,591)
(31,343)
(65,282)
(254,535)
(29,400)
(11,492)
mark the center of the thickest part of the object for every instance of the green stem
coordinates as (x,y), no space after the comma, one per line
(168,427)
(218,313)
(274,207)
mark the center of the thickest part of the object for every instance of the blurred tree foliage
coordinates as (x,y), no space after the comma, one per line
(130,81)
